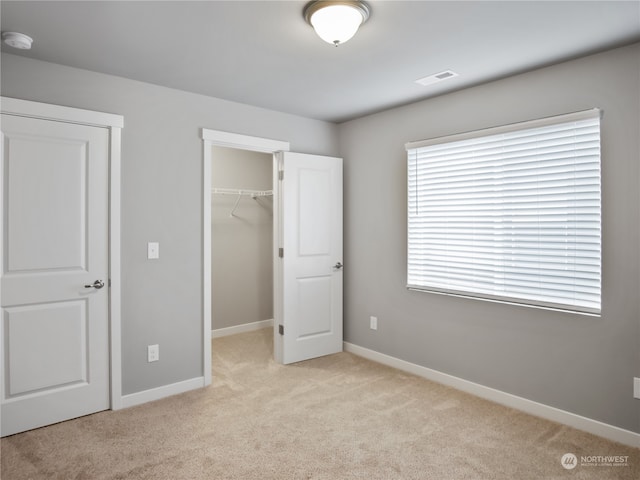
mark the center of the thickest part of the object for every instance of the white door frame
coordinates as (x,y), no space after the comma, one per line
(219,138)
(114,123)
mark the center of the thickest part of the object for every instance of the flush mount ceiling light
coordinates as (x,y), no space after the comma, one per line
(17,40)
(337,21)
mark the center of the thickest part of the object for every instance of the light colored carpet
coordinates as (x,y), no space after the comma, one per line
(337,417)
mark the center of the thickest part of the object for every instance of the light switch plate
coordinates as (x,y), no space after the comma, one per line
(153,250)
(636,388)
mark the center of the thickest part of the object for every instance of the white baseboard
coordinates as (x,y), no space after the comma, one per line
(245,327)
(595,427)
(161,392)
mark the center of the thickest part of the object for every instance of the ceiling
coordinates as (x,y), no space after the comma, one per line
(263,53)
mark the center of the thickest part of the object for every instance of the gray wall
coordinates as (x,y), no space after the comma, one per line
(242,254)
(577,363)
(581,364)
(161,199)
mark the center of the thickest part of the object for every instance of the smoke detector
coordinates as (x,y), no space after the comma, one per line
(17,40)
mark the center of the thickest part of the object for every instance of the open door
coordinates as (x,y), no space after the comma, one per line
(308,264)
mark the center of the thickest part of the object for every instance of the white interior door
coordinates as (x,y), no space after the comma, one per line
(54,335)
(309,317)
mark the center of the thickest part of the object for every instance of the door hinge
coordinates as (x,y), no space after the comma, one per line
(280,174)
(109,283)
(281,252)
(281,329)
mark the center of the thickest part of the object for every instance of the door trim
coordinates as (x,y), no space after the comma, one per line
(211,138)
(114,123)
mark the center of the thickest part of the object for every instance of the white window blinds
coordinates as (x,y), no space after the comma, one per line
(509,213)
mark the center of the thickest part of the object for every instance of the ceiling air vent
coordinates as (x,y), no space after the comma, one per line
(436,77)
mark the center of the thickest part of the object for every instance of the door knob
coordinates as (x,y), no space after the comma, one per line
(338,266)
(98,284)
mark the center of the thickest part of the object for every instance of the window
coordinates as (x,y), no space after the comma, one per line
(509,213)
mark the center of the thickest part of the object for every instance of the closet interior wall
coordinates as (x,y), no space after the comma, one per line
(241,257)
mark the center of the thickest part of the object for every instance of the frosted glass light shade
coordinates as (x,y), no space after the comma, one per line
(335,22)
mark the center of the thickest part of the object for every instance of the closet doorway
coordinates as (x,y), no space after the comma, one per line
(242,240)
(306,247)
(245,143)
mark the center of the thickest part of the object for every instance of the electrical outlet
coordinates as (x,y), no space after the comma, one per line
(636,387)
(373,323)
(153,353)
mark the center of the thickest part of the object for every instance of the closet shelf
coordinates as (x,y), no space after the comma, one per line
(242,192)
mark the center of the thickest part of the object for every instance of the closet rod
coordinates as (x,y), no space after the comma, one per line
(242,191)
(254,194)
